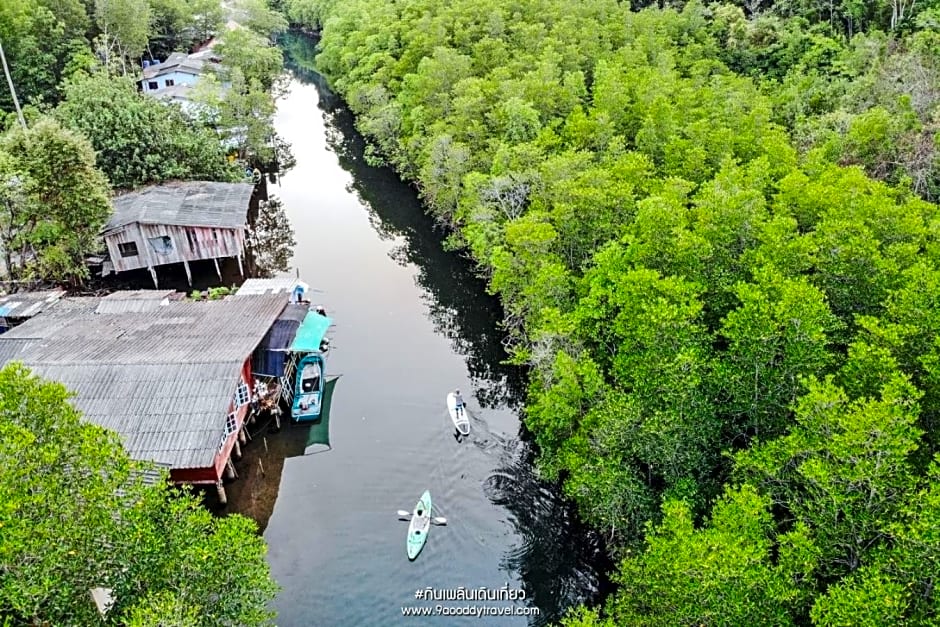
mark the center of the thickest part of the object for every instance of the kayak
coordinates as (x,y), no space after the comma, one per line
(420,524)
(460,420)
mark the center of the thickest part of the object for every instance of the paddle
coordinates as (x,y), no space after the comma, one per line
(439,520)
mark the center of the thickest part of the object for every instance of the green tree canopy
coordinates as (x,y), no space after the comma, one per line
(58,200)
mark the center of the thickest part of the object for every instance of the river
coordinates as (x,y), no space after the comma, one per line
(412,322)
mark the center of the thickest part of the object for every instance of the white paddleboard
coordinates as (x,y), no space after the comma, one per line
(460,419)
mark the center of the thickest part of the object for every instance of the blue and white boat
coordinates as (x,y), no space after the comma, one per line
(311,348)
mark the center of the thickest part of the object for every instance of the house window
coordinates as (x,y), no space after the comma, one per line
(241,394)
(231,424)
(169,82)
(128,249)
(152,85)
(191,238)
(162,245)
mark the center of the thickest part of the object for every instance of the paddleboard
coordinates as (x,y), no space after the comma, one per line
(420,524)
(460,419)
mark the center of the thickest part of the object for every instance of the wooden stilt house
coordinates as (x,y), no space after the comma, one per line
(179,222)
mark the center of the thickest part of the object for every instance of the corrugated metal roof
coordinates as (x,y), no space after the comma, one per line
(14,349)
(180,62)
(133,301)
(139,295)
(190,203)
(159,415)
(162,379)
(178,332)
(271,286)
(26,304)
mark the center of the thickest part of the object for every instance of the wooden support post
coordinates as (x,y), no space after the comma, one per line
(220,490)
(277,419)
(241,436)
(215,260)
(237,449)
(265,445)
(189,275)
(230,469)
(241,269)
(261,466)
(153,275)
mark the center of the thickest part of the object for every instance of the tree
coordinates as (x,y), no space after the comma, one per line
(258,17)
(735,570)
(66,201)
(775,337)
(43,43)
(139,139)
(125,30)
(251,54)
(76,514)
(208,17)
(173,27)
(845,470)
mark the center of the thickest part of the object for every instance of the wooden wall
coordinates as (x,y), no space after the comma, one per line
(189,243)
(213,473)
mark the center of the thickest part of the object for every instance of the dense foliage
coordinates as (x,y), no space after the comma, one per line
(138,139)
(53,202)
(711,232)
(76,514)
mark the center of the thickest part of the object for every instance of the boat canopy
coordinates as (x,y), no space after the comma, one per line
(310,334)
(269,358)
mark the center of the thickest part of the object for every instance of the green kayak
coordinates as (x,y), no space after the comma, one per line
(420,524)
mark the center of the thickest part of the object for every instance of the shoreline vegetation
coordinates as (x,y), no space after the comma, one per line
(90,132)
(79,520)
(712,228)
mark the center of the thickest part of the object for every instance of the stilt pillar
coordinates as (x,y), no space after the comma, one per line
(220,490)
(215,260)
(241,269)
(189,275)
(277,418)
(241,436)
(153,275)
(230,469)
(237,450)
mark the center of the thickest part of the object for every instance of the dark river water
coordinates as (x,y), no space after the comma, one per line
(412,323)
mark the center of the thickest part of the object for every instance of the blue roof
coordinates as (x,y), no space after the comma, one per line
(311,332)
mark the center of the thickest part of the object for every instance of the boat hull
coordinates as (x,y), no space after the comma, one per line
(419,526)
(308,388)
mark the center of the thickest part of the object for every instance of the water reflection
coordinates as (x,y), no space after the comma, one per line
(559,561)
(456,298)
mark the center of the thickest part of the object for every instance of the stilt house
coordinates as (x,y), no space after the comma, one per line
(178,222)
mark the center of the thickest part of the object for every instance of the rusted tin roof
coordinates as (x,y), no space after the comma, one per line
(189,203)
